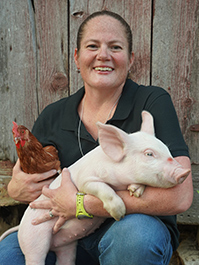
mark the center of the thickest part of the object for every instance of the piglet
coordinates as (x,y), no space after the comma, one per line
(121,161)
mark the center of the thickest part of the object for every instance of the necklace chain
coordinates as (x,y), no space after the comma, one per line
(80,122)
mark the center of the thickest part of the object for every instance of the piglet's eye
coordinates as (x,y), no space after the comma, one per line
(148,153)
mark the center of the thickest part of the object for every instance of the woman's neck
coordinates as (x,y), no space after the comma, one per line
(101,100)
(96,107)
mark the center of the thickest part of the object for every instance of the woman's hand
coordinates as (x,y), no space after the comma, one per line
(61,202)
(27,187)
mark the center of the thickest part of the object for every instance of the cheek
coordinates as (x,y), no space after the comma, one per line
(123,62)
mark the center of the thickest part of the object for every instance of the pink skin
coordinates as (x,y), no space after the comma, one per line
(104,49)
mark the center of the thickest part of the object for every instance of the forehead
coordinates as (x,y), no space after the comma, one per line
(104,25)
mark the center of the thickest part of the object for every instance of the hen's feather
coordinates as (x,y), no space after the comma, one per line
(34,158)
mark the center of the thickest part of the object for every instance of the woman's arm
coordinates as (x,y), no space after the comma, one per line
(154,201)
(27,187)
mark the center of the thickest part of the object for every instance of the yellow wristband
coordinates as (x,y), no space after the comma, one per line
(80,211)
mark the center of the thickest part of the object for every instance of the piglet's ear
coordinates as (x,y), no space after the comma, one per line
(147,123)
(112,141)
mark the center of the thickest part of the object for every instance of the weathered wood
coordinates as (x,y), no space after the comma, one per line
(139,18)
(5,176)
(175,67)
(191,216)
(34,67)
(175,62)
(17,71)
(51,40)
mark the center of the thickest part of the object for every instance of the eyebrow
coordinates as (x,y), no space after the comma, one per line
(110,42)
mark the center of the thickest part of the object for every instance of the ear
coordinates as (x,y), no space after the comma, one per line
(112,141)
(131,60)
(147,123)
(76,56)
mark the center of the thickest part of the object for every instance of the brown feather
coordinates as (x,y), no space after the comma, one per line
(34,158)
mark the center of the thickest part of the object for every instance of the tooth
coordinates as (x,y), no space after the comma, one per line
(103,69)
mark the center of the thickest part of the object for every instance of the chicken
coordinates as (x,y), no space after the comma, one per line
(34,158)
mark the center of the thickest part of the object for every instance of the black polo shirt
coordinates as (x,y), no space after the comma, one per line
(58,125)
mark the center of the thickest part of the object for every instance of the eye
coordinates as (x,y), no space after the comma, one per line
(116,48)
(149,153)
(92,47)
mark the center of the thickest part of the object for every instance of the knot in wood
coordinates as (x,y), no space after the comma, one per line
(59,81)
(78,14)
(188,102)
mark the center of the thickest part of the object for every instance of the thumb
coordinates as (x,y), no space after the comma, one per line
(65,176)
(47,192)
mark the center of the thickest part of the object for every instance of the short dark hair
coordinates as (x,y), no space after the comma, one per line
(111,14)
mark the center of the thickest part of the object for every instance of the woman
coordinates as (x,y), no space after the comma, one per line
(148,233)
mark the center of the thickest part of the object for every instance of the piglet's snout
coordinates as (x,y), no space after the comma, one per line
(180,174)
(177,173)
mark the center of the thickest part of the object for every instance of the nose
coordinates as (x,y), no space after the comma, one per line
(103,53)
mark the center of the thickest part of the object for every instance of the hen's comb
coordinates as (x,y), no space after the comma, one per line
(15,127)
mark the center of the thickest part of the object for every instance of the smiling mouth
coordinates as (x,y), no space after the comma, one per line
(103,69)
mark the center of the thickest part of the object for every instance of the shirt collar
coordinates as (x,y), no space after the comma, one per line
(124,106)
(71,116)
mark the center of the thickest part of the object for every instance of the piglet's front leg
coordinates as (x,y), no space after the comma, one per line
(111,201)
(136,190)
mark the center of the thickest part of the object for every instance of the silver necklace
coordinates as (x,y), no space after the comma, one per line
(80,122)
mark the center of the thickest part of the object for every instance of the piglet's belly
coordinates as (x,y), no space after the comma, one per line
(75,229)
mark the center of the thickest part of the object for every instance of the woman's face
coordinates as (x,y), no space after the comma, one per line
(103,58)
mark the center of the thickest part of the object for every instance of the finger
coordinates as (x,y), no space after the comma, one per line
(42,204)
(44,176)
(66,179)
(60,222)
(43,218)
(65,173)
(47,192)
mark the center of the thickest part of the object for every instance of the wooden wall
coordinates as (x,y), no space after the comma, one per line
(38,39)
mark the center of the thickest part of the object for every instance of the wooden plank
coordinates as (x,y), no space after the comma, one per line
(17,73)
(191,216)
(51,23)
(139,18)
(5,177)
(5,199)
(175,61)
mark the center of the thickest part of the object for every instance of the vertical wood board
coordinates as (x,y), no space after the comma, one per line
(17,73)
(175,61)
(51,37)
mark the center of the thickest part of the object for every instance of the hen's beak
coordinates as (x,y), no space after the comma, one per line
(16,140)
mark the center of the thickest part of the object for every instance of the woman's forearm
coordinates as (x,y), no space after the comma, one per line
(154,201)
